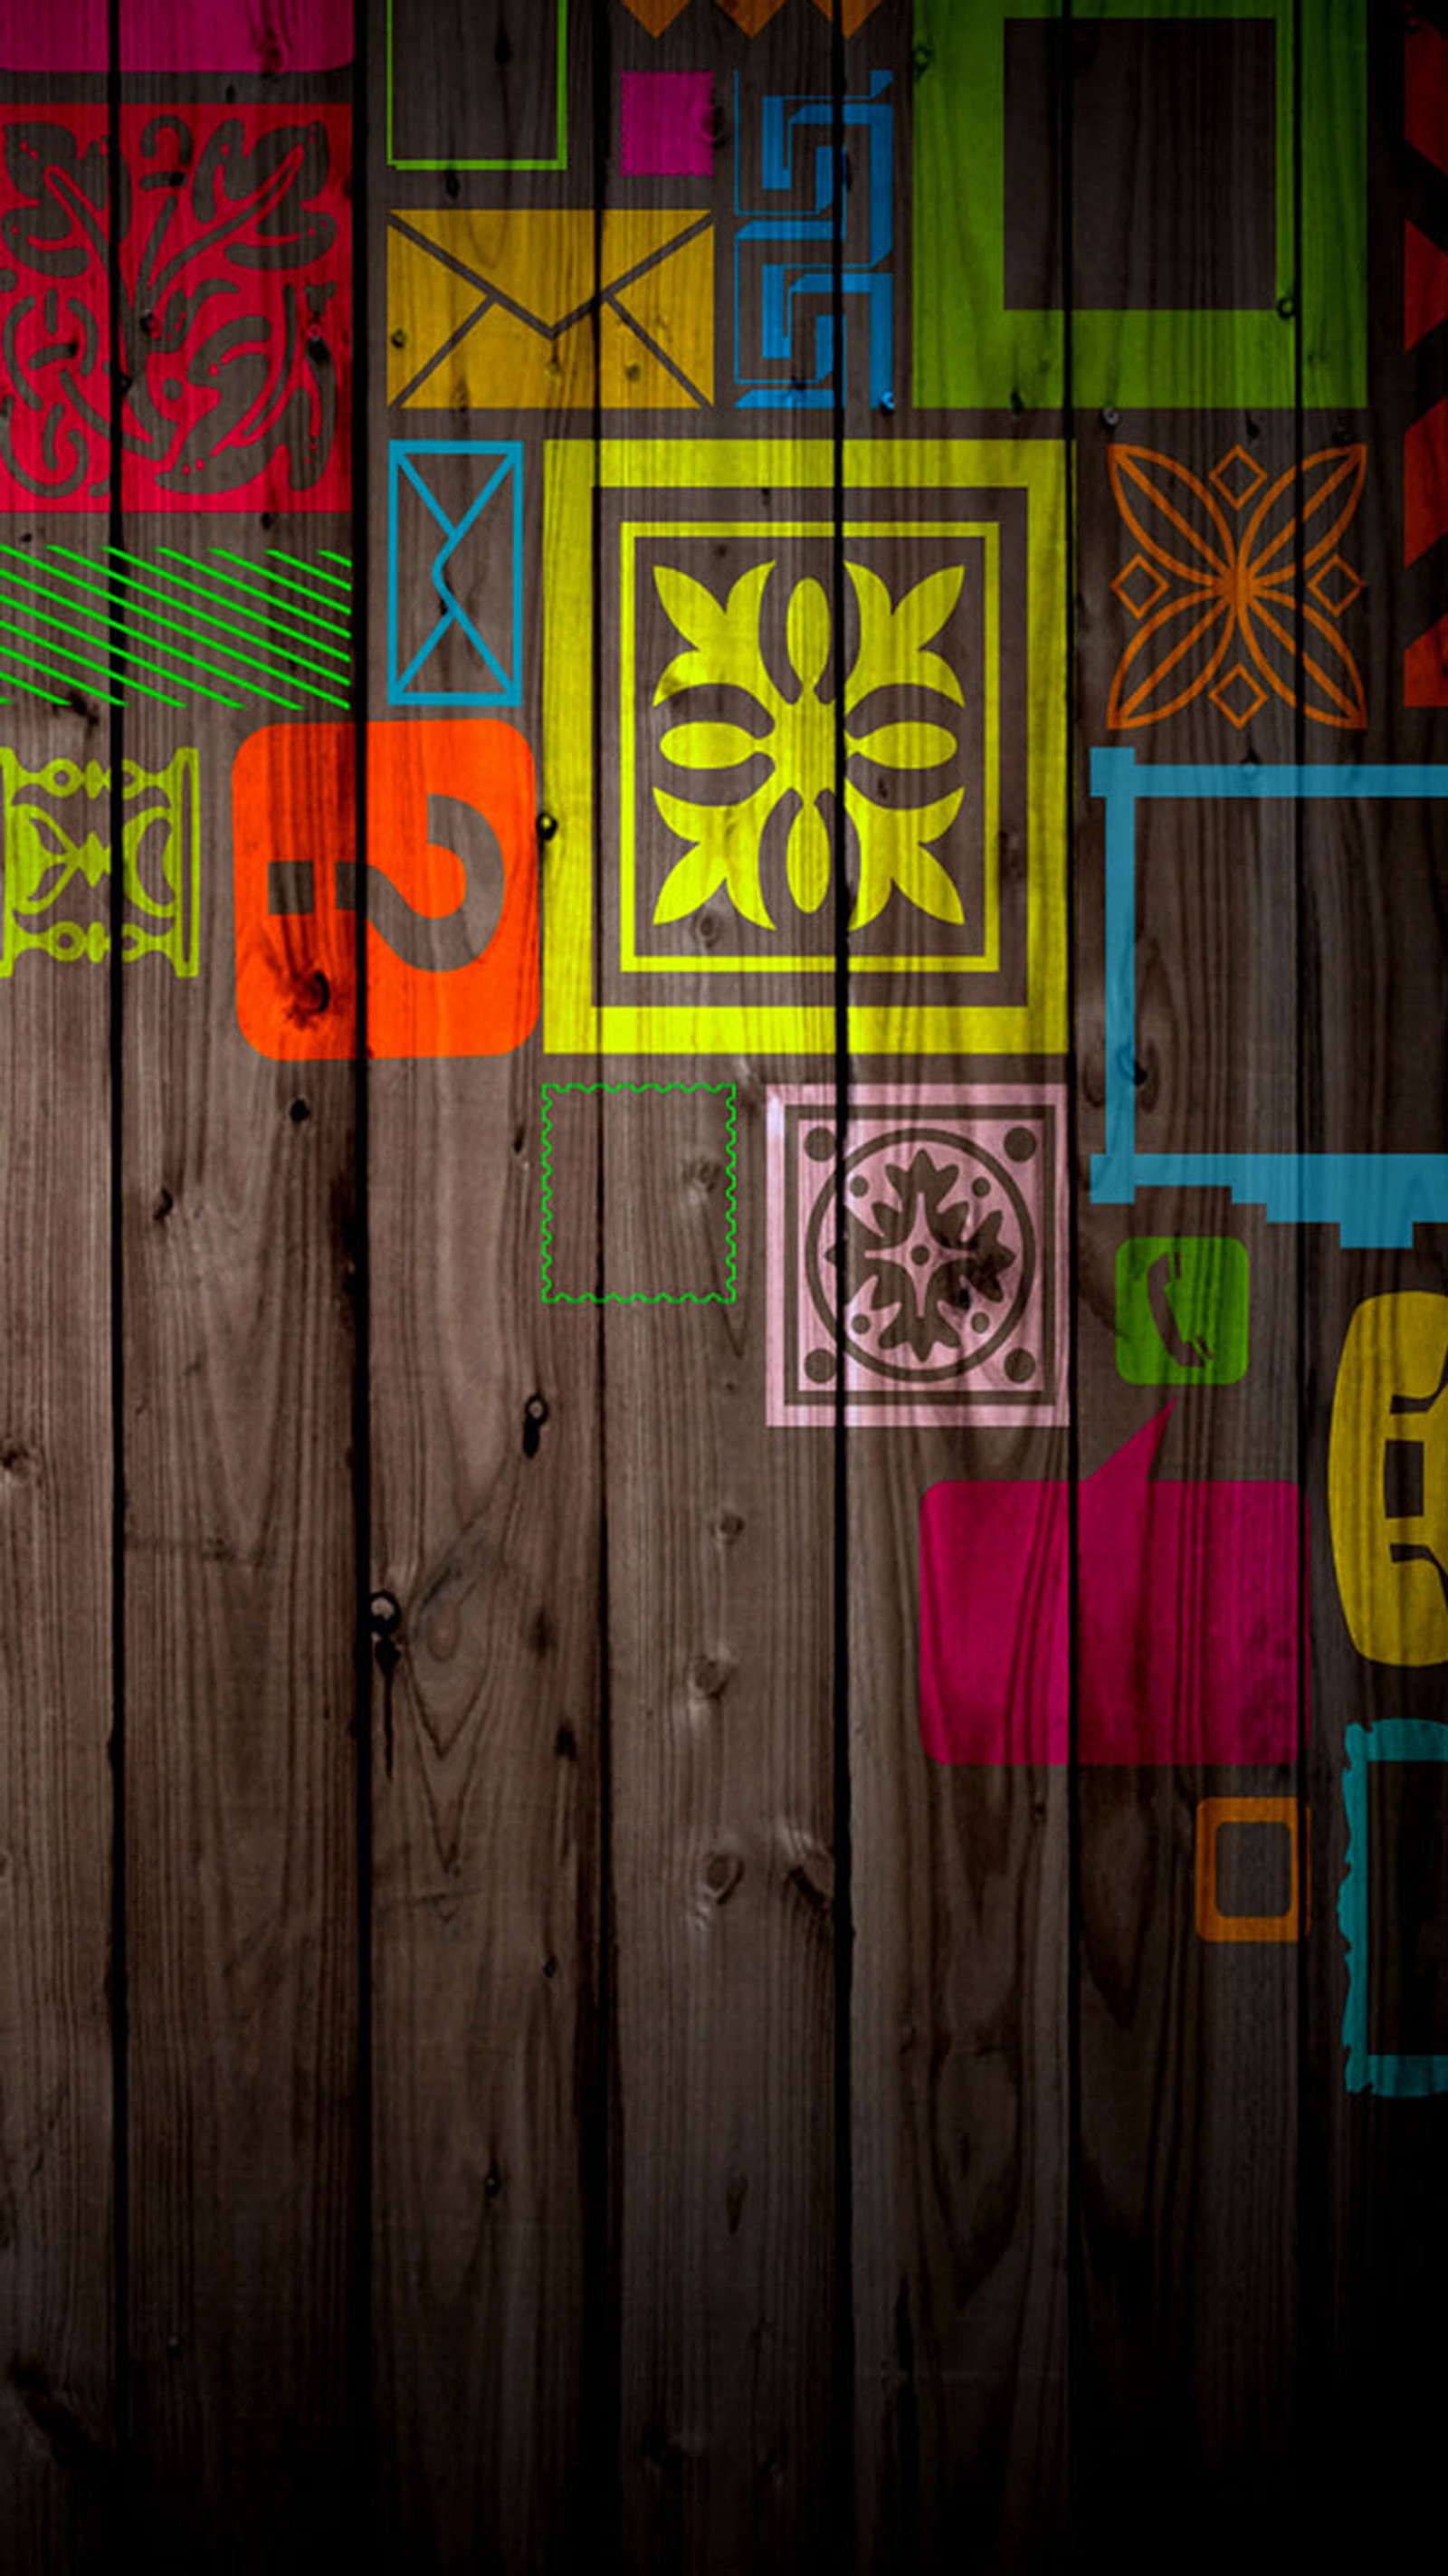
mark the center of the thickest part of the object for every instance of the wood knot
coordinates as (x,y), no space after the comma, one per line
(816,1885)
(722,1874)
(708,1676)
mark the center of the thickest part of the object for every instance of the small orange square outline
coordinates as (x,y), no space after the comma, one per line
(1212,1923)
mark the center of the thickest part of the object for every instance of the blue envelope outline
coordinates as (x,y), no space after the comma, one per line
(501,461)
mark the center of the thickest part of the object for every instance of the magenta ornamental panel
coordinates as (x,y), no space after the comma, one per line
(666,125)
(1188,1606)
(918,1273)
(177,36)
(232,319)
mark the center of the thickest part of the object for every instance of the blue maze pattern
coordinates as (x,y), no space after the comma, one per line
(808,187)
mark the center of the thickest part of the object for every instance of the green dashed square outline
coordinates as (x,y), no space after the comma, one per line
(725,1296)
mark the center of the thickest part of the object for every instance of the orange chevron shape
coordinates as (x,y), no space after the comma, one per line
(852,13)
(656,15)
(749,15)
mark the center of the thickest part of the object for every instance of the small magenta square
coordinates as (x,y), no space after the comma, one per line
(667,125)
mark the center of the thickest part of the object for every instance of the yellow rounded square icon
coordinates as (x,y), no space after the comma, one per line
(1387,1478)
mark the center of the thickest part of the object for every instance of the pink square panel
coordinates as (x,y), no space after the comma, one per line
(667,125)
(921,1269)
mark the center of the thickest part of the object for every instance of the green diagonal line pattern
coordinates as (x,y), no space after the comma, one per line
(31,685)
(277,607)
(59,653)
(317,572)
(134,581)
(112,645)
(268,613)
(258,573)
(182,677)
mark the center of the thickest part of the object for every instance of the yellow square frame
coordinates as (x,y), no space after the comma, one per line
(575,1022)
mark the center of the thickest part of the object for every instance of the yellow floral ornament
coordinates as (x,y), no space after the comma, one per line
(797,740)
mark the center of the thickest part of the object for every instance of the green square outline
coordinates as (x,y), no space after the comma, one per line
(983,532)
(560,154)
(727,1296)
(1173,1372)
(1171,360)
(575,1020)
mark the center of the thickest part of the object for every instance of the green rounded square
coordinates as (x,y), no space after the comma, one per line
(1182,1310)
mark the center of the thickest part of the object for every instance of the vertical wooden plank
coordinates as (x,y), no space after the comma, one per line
(718,1529)
(58,2414)
(1190,2111)
(56,2320)
(1372,2218)
(491,2351)
(959,2037)
(240,1246)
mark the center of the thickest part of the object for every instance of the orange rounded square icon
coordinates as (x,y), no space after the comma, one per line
(451,894)
(1212,1923)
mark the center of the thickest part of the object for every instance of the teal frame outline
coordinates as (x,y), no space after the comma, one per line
(560,158)
(1401,2074)
(971,351)
(728,1295)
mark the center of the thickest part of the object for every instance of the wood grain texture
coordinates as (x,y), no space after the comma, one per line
(240,1246)
(720,1678)
(592,2086)
(722,1891)
(1187,2350)
(1375,2249)
(57,2409)
(491,2351)
(962,1886)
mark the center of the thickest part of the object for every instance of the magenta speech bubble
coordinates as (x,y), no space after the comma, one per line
(1189,1608)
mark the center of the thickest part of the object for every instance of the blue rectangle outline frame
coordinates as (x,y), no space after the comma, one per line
(1401,2074)
(511,451)
(1375,1200)
(560,147)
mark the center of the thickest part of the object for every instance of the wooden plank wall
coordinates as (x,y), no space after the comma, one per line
(656,1910)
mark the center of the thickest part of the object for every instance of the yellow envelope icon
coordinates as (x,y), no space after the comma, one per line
(550,309)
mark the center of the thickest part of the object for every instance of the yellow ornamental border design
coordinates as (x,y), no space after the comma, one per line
(575,1023)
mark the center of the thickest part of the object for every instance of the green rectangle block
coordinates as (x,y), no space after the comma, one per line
(1182,1310)
(973,351)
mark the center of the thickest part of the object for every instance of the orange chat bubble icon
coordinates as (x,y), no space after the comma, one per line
(450,893)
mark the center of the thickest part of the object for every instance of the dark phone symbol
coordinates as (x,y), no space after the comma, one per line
(1190,1351)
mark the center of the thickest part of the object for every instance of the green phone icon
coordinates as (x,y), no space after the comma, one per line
(1182,1310)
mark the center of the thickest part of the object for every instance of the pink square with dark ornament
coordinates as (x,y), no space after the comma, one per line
(667,125)
(917,1260)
